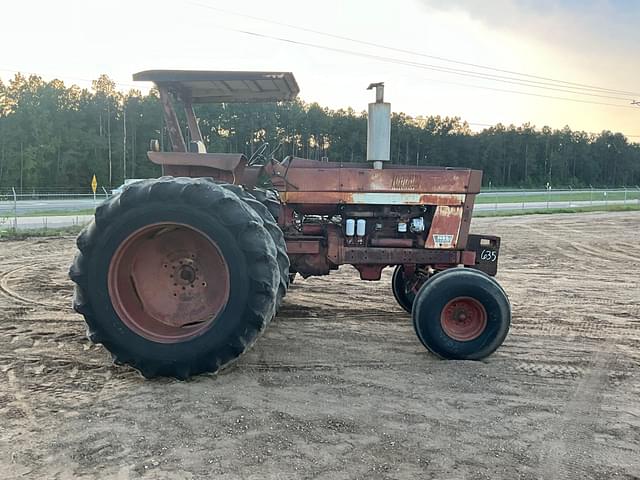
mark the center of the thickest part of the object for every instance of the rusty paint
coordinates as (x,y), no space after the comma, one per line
(307,265)
(312,229)
(171,120)
(468,258)
(405,182)
(335,241)
(336,198)
(222,167)
(394,256)
(392,242)
(250,177)
(192,121)
(369,272)
(295,247)
(229,162)
(465,223)
(286,218)
(303,176)
(445,227)
(168,282)
(463,319)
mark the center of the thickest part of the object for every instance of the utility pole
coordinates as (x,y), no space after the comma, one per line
(2,159)
(109,140)
(21,165)
(124,142)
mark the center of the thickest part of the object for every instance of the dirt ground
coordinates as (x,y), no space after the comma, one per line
(339,386)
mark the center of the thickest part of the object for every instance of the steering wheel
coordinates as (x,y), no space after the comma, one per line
(258,154)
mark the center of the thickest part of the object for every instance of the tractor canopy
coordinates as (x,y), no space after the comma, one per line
(201,86)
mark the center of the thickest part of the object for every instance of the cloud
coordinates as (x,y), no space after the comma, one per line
(583,26)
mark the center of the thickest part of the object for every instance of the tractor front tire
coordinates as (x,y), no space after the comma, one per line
(461,314)
(403,296)
(176,277)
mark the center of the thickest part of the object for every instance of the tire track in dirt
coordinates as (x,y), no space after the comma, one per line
(340,349)
(7,291)
(591,251)
(570,446)
(19,399)
(577,262)
(47,376)
(586,329)
(21,259)
(601,253)
(291,367)
(559,370)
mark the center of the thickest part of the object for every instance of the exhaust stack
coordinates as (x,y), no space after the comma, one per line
(379,128)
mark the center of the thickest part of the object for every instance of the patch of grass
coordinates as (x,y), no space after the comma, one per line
(549,211)
(9,234)
(516,197)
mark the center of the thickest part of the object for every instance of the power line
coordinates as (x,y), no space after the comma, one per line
(491,77)
(407,63)
(522,83)
(566,84)
(531,94)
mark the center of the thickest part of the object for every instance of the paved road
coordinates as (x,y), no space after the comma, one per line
(34,223)
(28,206)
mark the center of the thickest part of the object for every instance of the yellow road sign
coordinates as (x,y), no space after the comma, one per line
(94,184)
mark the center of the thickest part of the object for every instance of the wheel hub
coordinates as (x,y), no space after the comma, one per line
(463,319)
(187,275)
(183,273)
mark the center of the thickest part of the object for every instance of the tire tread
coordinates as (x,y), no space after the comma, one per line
(254,237)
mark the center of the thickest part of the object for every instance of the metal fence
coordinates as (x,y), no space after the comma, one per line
(53,208)
(512,200)
(46,209)
(35,193)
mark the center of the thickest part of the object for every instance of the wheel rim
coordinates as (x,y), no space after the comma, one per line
(463,319)
(168,282)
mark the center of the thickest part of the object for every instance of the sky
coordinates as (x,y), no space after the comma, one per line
(587,42)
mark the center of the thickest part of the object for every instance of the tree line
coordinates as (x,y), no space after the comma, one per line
(54,136)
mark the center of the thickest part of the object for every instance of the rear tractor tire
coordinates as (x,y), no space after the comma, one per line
(270,199)
(265,208)
(461,314)
(176,276)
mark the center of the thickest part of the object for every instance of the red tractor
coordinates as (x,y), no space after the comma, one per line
(179,275)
